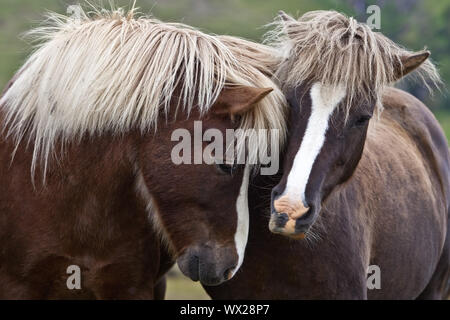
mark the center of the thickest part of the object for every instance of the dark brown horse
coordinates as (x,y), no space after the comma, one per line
(363,192)
(88,177)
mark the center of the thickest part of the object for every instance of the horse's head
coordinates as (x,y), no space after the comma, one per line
(333,80)
(200,207)
(153,81)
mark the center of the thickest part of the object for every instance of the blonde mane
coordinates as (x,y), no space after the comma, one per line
(331,48)
(117,71)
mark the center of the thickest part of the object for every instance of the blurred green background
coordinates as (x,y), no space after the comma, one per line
(412,23)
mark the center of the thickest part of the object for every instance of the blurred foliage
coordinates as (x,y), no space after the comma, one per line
(180,287)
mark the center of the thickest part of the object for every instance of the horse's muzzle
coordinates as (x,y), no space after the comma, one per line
(280,223)
(210,266)
(291,219)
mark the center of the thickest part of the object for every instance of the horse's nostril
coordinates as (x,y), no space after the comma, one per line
(281,219)
(193,267)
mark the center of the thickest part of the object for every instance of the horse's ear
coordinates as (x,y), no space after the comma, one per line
(285,17)
(288,22)
(410,63)
(238,100)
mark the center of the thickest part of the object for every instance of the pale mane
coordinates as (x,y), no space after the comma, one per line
(112,71)
(331,48)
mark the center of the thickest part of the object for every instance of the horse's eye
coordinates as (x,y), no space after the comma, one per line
(225,168)
(361,121)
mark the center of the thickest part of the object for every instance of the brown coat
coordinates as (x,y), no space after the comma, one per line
(393,212)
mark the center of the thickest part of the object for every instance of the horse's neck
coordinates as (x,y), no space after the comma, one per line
(90,180)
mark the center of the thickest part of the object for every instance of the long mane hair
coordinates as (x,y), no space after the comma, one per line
(331,48)
(111,70)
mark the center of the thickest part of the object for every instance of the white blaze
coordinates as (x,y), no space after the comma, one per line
(324,100)
(241,235)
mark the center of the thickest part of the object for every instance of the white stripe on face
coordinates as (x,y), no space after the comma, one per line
(241,235)
(324,100)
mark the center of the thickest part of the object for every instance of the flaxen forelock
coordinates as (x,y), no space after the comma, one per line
(336,50)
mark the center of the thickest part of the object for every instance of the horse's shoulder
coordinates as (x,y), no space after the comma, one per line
(417,121)
(413,116)
(396,100)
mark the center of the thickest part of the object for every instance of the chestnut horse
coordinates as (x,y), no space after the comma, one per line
(86,169)
(362,192)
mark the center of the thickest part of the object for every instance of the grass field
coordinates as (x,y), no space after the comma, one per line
(180,287)
(444,119)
